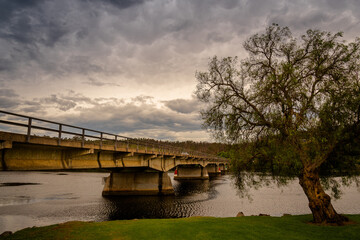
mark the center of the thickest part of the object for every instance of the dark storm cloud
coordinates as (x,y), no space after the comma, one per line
(65,102)
(24,22)
(152,46)
(6,65)
(25,29)
(8,103)
(328,15)
(81,65)
(112,115)
(183,105)
(8,7)
(64,38)
(131,117)
(9,99)
(98,83)
(123,4)
(8,92)
(142,99)
(60,103)
(137,115)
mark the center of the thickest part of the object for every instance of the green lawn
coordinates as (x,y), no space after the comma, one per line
(290,227)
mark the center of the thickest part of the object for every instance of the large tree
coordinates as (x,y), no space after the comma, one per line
(292,100)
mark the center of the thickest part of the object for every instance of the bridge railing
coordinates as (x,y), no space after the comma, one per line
(84,134)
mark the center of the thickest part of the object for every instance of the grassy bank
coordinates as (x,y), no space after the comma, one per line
(289,227)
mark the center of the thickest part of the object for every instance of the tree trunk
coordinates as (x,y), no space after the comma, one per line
(319,202)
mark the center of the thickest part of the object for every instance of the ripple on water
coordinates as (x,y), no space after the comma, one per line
(77,196)
(16,184)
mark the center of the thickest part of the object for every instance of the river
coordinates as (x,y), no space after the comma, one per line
(42,198)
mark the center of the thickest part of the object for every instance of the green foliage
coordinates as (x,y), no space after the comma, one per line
(344,160)
(293,104)
(211,148)
(289,227)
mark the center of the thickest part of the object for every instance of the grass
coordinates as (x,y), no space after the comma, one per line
(289,227)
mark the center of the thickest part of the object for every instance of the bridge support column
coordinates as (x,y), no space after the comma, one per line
(223,169)
(3,163)
(138,183)
(191,173)
(213,170)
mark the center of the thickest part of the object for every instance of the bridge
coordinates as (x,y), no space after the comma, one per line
(136,166)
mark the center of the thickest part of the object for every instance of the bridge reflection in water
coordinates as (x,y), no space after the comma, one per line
(137,167)
(34,198)
(188,201)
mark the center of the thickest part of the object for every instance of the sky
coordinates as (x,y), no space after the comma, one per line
(128,67)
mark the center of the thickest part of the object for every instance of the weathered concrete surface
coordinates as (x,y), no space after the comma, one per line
(136,170)
(138,183)
(191,173)
(223,168)
(44,153)
(213,170)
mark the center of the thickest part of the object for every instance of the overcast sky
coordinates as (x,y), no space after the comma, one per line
(128,66)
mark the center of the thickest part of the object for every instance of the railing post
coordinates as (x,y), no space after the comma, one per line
(83,138)
(156,147)
(60,129)
(29,130)
(115,146)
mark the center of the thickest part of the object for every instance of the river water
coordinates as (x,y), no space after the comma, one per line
(42,198)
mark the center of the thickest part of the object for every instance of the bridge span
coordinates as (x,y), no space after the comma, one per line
(137,167)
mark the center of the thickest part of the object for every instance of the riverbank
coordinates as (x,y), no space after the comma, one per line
(287,227)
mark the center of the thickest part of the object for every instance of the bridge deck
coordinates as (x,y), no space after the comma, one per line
(41,153)
(31,152)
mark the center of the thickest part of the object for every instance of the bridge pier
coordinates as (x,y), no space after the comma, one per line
(192,172)
(3,163)
(137,182)
(223,168)
(213,170)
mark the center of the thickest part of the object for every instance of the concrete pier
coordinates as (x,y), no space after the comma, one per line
(17,152)
(196,172)
(138,182)
(135,169)
(223,168)
(213,170)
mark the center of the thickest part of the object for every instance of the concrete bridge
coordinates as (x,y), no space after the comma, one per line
(137,167)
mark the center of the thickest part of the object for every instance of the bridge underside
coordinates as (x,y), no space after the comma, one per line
(47,154)
(140,181)
(191,172)
(133,171)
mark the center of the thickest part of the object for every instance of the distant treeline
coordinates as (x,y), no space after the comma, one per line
(214,148)
(188,146)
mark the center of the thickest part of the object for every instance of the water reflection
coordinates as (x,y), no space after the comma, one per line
(190,187)
(15,184)
(126,207)
(20,200)
(187,202)
(77,197)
